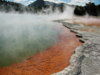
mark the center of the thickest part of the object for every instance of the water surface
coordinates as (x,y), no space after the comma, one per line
(22,36)
(52,60)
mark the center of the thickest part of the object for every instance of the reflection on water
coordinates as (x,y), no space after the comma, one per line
(19,40)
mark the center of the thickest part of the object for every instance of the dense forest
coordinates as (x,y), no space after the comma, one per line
(90,9)
(41,6)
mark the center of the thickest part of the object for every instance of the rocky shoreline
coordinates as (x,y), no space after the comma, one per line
(86,60)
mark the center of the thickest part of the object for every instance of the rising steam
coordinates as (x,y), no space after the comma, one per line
(22,35)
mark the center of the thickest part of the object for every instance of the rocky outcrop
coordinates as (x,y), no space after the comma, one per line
(86,60)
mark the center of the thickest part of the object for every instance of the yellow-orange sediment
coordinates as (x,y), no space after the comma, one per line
(52,60)
(88,24)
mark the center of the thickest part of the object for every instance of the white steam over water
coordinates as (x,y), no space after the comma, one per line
(22,35)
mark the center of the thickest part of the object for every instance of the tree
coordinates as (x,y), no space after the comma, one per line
(2,0)
(91,9)
(80,11)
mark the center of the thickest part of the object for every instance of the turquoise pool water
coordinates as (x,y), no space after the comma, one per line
(21,38)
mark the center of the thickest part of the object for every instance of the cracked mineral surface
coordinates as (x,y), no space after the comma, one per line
(86,60)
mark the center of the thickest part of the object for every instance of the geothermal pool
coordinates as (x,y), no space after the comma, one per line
(34,47)
(55,57)
(21,41)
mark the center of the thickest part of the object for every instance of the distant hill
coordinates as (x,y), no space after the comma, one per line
(35,7)
(39,4)
(42,3)
(8,6)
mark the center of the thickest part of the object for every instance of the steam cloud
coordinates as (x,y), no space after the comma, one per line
(88,20)
(22,35)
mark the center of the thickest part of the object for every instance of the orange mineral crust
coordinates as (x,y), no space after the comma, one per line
(52,60)
(88,23)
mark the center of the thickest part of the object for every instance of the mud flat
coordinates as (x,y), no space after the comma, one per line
(86,60)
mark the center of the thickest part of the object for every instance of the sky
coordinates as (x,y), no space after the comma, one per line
(72,2)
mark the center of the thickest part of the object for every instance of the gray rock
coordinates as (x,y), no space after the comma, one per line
(86,60)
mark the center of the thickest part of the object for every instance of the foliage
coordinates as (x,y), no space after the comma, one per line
(9,6)
(79,10)
(90,8)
